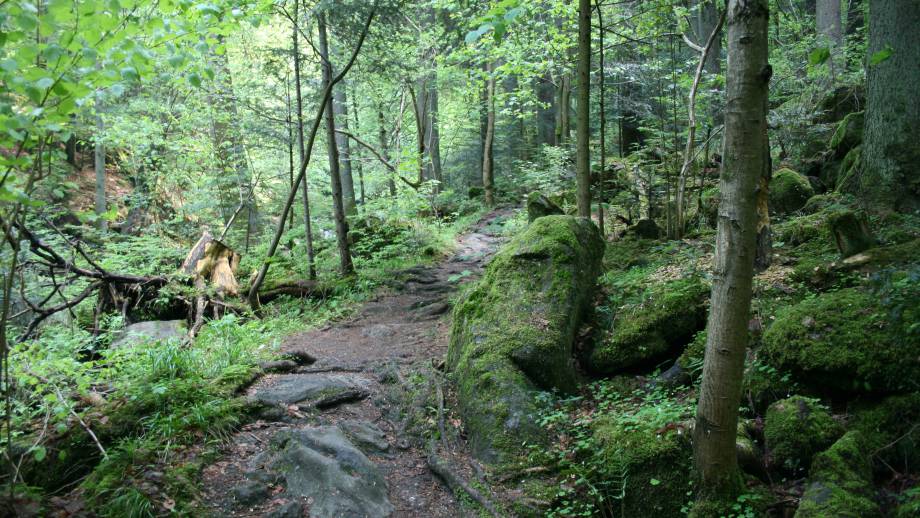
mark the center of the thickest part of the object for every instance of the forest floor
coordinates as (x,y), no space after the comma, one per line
(333,431)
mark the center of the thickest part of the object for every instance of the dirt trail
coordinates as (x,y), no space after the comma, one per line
(308,453)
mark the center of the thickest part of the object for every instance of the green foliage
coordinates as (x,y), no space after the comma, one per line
(796,429)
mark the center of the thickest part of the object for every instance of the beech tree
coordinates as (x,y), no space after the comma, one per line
(746,154)
(583,130)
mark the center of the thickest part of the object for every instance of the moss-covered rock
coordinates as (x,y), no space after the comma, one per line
(538,205)
(851,232)
(644,229)
(845,179)
(839,102)
(789,191)
(892,430)
(840,482)
(846,341)
(649,332)
(513,332)
(653,468)
(796,429)
(849,134)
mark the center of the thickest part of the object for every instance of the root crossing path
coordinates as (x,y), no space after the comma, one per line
(334,436)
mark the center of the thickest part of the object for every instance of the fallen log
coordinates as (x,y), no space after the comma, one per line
(300,289)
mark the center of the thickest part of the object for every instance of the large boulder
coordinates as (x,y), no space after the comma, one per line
(538,205)
(796,429)
(513,332)
(322,465)
(152,331)
(840,482)
(848,341)
(789,191)
(839,102)
(848,135)
(648,332)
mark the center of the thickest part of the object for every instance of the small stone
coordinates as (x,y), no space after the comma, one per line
(250,492)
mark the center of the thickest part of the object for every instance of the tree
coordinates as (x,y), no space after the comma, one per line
(307,222)
(488,160)
(583,157)
(830,29)
(888,173)
(338,203)
(745,156)
(99,166)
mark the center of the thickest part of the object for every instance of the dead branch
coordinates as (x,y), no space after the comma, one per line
(381,158)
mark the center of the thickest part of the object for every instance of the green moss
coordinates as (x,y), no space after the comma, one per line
(849,169)
(840,482)
(691,360)
(849,133)
(845,341)
(648,332)
(796,429)
(653,468)
(539,205)
(627,253)
(789,191)
(892,429)
(513,331)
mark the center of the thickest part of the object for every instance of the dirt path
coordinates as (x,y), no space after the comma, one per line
(331,441)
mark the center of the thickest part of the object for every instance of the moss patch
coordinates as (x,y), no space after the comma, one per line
(846,341)
(648,332)
(512,333)
(849,133)
(796,429)
(789,191)
(840,482)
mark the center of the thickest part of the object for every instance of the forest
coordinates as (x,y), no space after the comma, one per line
(449,258)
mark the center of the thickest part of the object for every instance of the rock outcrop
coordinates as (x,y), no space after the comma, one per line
(513,332)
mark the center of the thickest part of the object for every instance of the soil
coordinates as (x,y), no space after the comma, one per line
(399,334)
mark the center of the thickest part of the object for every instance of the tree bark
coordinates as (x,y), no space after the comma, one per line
(385,148)
(830,30)
(434,132)
(338,205)
(747,81)
(307,223)
(340,108)
(707,17)
(891,151)
(546,112)
(99,165)
(602,92)
(583,131)
(564,128)
(488,161)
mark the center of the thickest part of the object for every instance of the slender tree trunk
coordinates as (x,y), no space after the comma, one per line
(546,112)
(385,148)
(830,30)
(356,153)
(99,164)
(338,206)
(488,162)
(891,151)
(583,157)
(564,128)
(601,80)
(707,17)
(745,156)
(434,132)
(307,223)
(340,107)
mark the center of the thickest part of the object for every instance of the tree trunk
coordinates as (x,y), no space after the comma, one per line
(583,132)
(747,80)
(99,165)
(707,17)
(488,162)
(340,108)
(564,128)
(546,112)
(358,165)
(830,30)
(601,80)
(307,223)
(434,133)
(338,206)
(385,148)
(891,150)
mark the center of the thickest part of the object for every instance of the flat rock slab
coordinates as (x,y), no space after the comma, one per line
(366,435)
(322,465)
(295,388)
